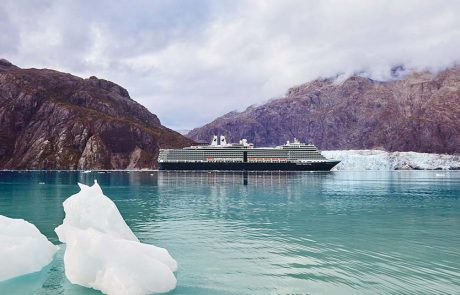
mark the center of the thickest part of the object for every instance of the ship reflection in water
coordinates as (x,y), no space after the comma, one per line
(256,178)
(165,178)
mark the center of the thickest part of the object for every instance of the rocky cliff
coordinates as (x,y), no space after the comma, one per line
(419,112)
(54,120)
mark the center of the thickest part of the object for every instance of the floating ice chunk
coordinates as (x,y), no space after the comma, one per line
(23,249)
(103,253)
(117,266)
(91,209)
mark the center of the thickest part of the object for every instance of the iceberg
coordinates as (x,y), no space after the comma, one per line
(382,160)
(91,209)
(23,248)
(103,253)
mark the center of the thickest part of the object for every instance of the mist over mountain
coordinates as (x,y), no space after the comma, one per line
(176,57)
(414,111)
(54,120)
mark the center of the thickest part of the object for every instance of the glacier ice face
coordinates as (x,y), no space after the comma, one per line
(382,160)
(103,253)
(23,249)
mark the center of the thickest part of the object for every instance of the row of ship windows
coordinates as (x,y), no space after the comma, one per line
(241,154)
(196,157)
(202,158)
(188,154)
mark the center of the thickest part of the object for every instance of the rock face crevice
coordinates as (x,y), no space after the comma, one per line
(54,120)
(420,112)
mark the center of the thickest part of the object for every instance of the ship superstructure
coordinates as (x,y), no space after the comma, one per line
(220,155)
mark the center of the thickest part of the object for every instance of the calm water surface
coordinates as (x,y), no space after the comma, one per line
(303,233)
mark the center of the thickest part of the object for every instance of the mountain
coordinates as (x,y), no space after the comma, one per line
(183,131)
(418,112)
(54,120)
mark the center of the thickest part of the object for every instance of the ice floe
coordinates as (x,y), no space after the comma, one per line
(23,249)
(103,253)
(382,160)
(91,209)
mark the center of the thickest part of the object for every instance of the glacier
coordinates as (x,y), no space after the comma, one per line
(103,253)
(23,248)
(383,160)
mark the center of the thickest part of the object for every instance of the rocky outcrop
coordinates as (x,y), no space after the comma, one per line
(420,112)
(54,120)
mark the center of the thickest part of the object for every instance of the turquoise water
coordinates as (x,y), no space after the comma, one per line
(302,233)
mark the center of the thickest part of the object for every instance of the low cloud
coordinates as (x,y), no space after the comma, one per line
(190,61)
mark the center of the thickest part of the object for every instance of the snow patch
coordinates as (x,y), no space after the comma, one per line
(23,248)
(103,253)
(382,160)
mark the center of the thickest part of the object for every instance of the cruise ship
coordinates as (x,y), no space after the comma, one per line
(243,156)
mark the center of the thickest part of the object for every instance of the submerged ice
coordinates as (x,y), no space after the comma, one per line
(103,253)
(23,249)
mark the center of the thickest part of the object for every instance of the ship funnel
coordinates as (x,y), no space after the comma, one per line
(214,140)
(223,141)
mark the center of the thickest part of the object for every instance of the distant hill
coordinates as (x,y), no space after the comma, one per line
(420,112)
(54,120)
(183,131)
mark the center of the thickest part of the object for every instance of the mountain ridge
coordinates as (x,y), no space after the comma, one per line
(419,112)
(55,120)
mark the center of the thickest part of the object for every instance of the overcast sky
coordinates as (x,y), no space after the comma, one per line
(190,61)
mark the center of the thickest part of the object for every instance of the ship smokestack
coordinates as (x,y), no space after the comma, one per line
(223,141)
(214,140)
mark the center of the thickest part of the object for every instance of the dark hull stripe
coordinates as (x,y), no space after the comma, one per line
(317,166)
